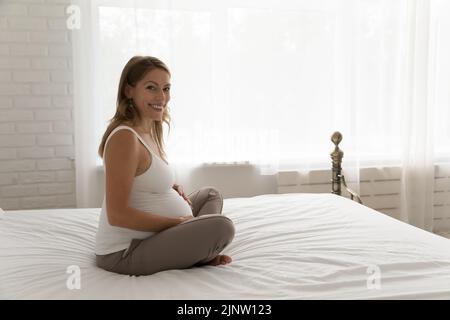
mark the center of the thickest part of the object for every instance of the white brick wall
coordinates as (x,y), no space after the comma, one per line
(379,190)
(36,130)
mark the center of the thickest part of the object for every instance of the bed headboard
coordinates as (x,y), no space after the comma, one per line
(338,178)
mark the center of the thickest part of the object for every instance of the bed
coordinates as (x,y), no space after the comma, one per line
(287,246)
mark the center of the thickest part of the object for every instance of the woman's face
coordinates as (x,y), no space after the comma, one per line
(151,94)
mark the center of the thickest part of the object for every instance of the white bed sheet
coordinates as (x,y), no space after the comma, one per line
(287,246)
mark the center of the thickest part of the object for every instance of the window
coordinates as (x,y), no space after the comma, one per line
(269,82)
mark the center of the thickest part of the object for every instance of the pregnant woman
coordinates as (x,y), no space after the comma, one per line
(147,223)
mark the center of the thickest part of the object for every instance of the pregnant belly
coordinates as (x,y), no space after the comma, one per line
(169,204)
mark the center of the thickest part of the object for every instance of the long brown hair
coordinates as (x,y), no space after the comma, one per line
(135,70)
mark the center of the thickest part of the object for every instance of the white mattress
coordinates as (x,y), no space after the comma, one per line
(287,246)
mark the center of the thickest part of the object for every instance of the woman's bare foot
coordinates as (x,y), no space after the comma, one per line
(220,259)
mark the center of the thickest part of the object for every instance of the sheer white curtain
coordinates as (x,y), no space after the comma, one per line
(86,114)
(267,82)
(417,187)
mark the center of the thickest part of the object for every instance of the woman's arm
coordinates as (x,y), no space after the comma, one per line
(121,163)
(132,218)
(178,188)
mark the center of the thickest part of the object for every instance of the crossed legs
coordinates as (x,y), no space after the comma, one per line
(192,243)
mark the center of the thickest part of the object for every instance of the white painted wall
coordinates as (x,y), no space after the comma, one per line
(36,130)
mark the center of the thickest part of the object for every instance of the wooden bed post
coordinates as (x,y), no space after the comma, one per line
(337,176)
(336,157)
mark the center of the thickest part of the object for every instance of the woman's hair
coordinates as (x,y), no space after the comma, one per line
(135,70)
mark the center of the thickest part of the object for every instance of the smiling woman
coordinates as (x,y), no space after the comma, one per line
(150,95)
(139,90)
(145,215)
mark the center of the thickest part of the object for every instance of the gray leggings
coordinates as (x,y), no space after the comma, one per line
(191,243)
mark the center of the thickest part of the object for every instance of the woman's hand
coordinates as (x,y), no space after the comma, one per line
(178,188)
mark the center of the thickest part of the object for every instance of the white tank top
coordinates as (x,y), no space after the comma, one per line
(151,192)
